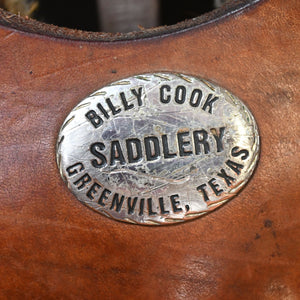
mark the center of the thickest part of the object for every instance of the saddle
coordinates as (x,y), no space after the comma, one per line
(52,246)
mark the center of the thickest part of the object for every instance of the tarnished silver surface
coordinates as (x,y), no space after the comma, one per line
(157,148)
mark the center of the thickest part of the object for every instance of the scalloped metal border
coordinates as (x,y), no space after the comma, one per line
(170,220)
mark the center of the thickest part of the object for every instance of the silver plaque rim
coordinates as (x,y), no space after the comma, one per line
(142,80)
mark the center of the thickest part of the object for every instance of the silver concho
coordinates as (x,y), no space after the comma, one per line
(157,148)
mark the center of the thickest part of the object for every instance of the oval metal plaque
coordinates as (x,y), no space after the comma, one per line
(157,148)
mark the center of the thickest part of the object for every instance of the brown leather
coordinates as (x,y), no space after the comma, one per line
(53,247)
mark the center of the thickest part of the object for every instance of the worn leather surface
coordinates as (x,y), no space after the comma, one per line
(53,247)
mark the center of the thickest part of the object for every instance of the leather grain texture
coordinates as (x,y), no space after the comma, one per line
(53,247)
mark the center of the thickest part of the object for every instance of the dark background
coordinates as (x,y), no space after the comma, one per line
(83,14)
